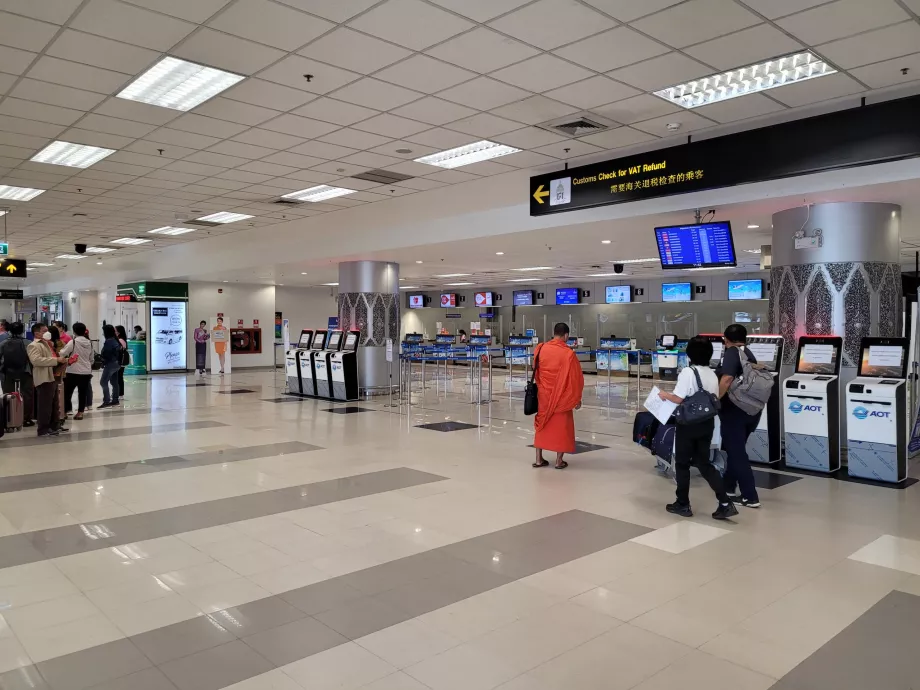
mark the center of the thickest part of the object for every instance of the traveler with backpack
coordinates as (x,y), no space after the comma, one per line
(125,359)
(696,395)
(744,388)
(16,370)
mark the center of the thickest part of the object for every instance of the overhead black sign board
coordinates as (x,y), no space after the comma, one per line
(13,268)
(860,136)
(10,294)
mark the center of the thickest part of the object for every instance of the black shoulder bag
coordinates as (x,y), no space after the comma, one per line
(531,403)
(699,407)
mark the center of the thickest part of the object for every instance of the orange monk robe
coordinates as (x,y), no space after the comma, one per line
(560,383)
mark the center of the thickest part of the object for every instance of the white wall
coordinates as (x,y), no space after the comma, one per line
(306,307)
(236,302)
(83,306)
(6,310)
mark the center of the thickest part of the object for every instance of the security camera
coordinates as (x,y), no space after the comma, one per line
(618,268)
(80,248)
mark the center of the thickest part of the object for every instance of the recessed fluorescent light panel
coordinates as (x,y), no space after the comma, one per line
(19,193)
(771,74)
(523,280)
(130,240)
(636,261)
(69,256)
(71,155)
(38,264)
(320,193)
(458,284)
(534,268)
(467,155)
(453,275)
(99,250)
(179,85)
(330,284)
(224,217)
(170,231)
(408,287)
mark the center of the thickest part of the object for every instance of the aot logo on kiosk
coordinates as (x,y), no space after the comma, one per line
(863,413)
(795,407)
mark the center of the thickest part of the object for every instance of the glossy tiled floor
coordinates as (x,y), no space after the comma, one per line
(197,540)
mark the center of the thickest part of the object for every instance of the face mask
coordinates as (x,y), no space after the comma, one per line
(46,335)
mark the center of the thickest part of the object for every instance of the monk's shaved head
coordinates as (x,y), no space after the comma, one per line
(561,330)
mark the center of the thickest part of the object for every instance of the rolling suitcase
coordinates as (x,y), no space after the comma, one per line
(12,410)
(644,427)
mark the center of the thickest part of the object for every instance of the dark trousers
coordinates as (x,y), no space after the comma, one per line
(691,447)
(109,383)
(47,402)
(121,382)
(81,384)
(26,390)
(737,426)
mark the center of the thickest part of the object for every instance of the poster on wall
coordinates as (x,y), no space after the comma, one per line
(167,336)
(279,324)
(220,341)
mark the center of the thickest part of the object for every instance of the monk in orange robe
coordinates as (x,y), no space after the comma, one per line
(560,383)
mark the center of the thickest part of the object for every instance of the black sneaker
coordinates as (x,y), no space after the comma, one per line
(679,509)
(725,511)
(28,422)
(734,498)
(104,406)
(750,504)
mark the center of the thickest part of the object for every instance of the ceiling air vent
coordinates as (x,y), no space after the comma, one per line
(202,223)
(288,202)
(578,125)
(382,176)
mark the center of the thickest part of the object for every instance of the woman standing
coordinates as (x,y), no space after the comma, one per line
(80,372)
(125,359)
(111,363)
(201,347)
(60,372)
(560,383)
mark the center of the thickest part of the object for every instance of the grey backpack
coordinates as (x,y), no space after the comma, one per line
(751,391)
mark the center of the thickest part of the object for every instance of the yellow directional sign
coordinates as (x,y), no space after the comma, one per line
(13,268)
(540,194)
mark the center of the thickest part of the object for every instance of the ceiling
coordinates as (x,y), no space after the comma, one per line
(423,75)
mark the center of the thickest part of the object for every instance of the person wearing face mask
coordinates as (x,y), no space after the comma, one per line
(44,359)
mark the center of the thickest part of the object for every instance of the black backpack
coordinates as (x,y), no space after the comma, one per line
(15,356)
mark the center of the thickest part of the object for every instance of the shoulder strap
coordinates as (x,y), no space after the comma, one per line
(536,363)
(699,381)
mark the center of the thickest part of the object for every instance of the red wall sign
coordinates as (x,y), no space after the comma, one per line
(239,322)
(220,315)
(255,322)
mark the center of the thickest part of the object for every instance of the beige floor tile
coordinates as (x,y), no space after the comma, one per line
(466,667)
(700,671)
(345,667)
(680,537)
(408,643)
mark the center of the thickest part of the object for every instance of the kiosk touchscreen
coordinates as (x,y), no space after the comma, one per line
(718,348)
(344,368)
(668,357)
(292,361)
(322,364)
(308,363)
(877,414)
(765,443)
(811,405)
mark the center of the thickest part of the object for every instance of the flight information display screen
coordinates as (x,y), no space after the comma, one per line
(676,292)
(567,296)
(696,246)
(745,289)
(523,298)
(618,294)
(416,301)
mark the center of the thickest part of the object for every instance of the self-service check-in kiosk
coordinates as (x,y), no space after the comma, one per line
(877,414)
(765,443)
(718,348)
(343,367)
(292,361)
(307,361)
(613,354)
(811,405)
(322,368)
(667,357)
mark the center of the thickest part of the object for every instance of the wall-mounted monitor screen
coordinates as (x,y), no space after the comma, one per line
(567,295)
(448,300)
(416,301)
(484,299)
(696,246)
(745,289)
(676,292)
(523,298)
(619,294)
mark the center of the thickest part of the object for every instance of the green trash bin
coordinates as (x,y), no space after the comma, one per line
(138,352)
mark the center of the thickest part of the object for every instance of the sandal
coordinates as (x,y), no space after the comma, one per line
(78,416)
(561,466)
(542,463)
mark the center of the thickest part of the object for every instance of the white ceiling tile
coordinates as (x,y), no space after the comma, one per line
(355,138)
(270,23)
(528,138)
(442,139)
(372,93)
(268,94)
(425,74)
(627,10)
(104,139)
(149,147)
(55,94)
(395,149)
(31,110)
(842,18)
(742,108)
(166,135)
(243,176)
(913,6)
(434,111)
(15,61)
(101,52)
(235,111)
(291,70)
(662,71)
(484,125)
(131,24)
(570,148)
(78,76)
(231,53)
(25,33)
(236,148)
(391,126)
(130,158)
(534,110)
(299,126)
(696,21)
(199,124)
(272,169)
(371,160)
(410,23)
(294,160)
(542,73)
(336,112)
(612,49)
(771,9)
(139,112)
(197,11)
(636,109)
(484,93)
(263,137)
(25,141)
(483,50)
(481,10)
(874,46)
(314,177)
(549,24)
(354,51)
(528,159)
(25,126)
(340,168)
(592,92)
(817,90)
(6,82)
(688,121)
(337,11)
(745,47)
(57,12)
(452,177)
(618,138)
(322,149)
(888,73)
(487,168)
(218,159)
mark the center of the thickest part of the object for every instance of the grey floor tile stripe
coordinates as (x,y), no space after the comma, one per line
(41,480)
(31,440)
(29,547)
(226,647)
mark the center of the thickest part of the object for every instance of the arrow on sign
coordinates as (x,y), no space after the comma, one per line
(11,268)
(540,194)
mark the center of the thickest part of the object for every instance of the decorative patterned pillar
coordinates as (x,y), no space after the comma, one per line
(369,302)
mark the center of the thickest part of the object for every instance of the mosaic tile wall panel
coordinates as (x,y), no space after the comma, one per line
(375,314)
(819,307)
(857,317)
(889,303)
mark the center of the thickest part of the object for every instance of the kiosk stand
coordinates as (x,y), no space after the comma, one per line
(321,364)
(668,357)
(811,405)
(718,348)
(877,414)
(292,361)
(764,446)
(308,363)
(344,368)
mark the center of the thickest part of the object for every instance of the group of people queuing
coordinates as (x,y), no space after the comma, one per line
(560,384)
(47,370)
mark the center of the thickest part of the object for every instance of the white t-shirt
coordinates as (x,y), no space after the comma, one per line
(686,381)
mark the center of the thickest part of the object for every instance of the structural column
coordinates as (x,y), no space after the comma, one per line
(369,302)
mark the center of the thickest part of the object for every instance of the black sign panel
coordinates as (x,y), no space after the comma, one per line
(10,294)
(13,268)
(850,138)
